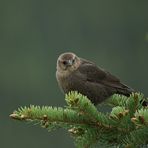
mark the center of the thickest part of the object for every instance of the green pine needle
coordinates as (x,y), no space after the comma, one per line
(125,126)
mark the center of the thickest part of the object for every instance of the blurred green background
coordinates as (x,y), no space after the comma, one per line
(33,33)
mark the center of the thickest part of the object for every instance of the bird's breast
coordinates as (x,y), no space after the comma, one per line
(63,81)
(70,82)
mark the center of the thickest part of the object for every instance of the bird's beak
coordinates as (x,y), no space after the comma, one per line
(69,62)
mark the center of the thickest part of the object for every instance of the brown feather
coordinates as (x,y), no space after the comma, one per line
(88,79)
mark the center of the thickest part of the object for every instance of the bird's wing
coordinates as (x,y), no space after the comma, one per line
(98,75)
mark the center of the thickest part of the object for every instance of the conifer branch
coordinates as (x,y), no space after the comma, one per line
(126,125)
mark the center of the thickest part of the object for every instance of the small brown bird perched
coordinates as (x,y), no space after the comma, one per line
(77,74)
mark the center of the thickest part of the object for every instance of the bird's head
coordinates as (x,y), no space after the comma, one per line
(68,62)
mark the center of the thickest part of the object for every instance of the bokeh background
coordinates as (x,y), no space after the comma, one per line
(33,33)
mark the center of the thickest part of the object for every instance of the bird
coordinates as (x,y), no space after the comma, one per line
(74,73)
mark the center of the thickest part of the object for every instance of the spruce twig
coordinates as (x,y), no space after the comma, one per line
(126,125)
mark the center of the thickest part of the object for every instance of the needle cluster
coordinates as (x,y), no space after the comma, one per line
(125,126)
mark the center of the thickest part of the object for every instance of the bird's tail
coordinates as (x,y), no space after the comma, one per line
(125,90)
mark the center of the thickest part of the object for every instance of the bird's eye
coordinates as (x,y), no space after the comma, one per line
(64,62)
(73,60)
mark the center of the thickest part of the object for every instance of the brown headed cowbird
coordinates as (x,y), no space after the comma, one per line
(77,74)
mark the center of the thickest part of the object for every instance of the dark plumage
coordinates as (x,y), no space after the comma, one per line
(77,74)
